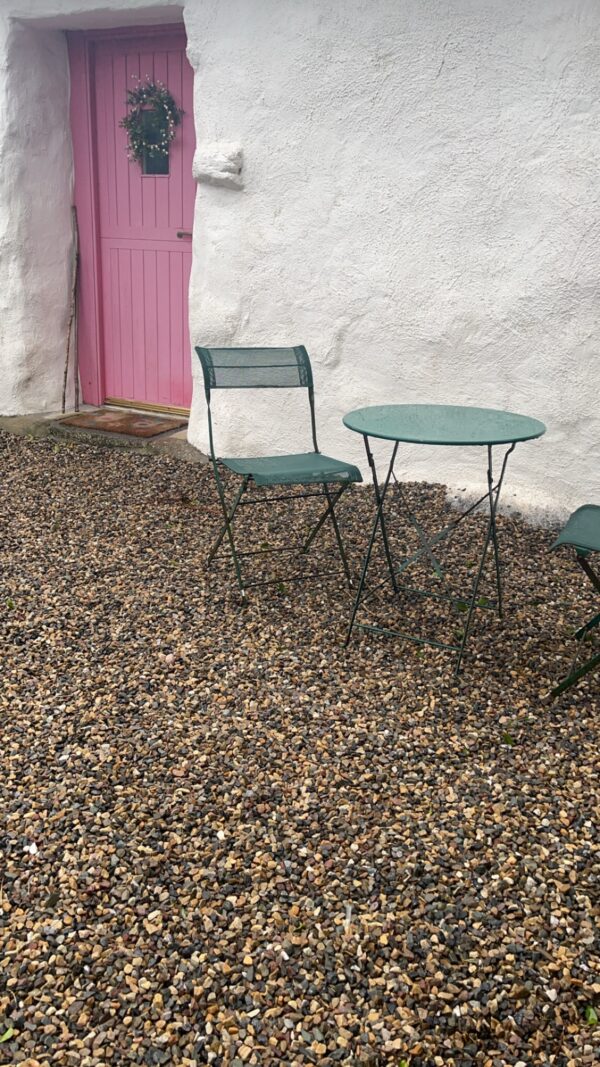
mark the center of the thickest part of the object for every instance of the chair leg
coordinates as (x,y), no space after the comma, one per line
(329,512)
(338,536)
(227,525)
(219,541)
(570,680)
(591,624)
(585,629)
(589,570)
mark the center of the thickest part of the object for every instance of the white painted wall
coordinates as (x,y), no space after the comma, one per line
(95,14)
(35,218)
(421,208)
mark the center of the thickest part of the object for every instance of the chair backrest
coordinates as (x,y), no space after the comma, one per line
(255,368)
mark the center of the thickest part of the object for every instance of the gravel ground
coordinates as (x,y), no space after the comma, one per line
(227,839)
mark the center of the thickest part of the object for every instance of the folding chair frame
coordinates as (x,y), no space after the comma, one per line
(303,549)
(229,511)
(594,661)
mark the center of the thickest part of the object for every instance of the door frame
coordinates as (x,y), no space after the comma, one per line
(90,333)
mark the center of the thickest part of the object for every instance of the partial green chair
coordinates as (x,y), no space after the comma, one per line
(273,368)
(582,531)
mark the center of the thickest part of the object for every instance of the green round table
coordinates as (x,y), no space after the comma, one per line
(443,424)
(446,425)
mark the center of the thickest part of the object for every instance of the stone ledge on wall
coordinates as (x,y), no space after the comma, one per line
(219,163)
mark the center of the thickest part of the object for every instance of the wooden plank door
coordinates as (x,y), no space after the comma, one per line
(144,223)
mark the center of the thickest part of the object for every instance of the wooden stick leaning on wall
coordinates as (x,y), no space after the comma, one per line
(72,327)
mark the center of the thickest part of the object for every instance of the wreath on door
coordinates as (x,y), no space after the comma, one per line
(151,121)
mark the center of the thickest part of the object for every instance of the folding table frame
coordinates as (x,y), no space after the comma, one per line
(469,602)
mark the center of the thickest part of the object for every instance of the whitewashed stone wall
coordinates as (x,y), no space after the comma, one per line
(35,217)
(420,207)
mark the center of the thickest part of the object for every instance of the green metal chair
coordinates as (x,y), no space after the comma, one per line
(273,368)
(582,531)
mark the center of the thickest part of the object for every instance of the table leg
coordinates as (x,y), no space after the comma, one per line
(420,532)
(380,495)
(493,495)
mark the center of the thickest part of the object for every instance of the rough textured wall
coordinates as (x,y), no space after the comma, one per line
(421,209)
(95,14)
(35,221)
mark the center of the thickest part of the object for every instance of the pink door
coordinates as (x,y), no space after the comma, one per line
(142,222)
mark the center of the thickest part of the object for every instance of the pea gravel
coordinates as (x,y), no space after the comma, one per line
(227,839)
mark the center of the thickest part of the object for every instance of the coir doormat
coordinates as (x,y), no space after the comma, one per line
(127,422)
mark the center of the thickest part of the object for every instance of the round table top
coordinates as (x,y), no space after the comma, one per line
(443,424)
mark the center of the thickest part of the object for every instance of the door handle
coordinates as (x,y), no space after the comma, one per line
(184,233)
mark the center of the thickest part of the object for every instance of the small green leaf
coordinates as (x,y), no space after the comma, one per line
(6,1036)
(482,602)
(591,1015)
(462,607)
(10,603)
(508,739)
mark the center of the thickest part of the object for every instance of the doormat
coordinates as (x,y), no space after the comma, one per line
(126,422)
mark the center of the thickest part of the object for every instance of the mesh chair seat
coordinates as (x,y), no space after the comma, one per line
(582,530)
(303,468)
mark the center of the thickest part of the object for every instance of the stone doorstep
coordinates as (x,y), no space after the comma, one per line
(48,424)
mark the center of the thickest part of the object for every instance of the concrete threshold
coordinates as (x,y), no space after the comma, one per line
(48,424)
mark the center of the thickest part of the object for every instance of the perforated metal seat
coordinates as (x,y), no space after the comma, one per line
(582,529)
(303,468)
